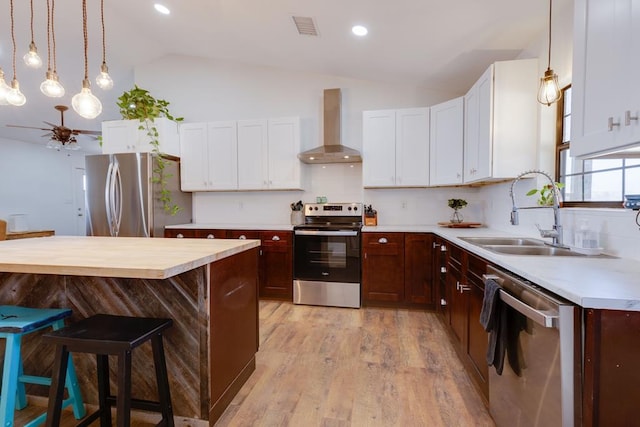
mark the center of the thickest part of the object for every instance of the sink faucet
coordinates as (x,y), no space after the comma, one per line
(556,232)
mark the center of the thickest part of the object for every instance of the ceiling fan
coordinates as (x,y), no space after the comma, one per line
(60,134)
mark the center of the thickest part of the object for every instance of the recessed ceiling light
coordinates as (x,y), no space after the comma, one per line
(359,30)
(162,8)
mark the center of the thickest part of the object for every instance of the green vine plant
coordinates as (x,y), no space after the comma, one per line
(138,104)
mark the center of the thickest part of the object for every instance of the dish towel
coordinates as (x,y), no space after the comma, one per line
(491,322)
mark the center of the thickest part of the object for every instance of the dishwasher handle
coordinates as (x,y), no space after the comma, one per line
(542,318)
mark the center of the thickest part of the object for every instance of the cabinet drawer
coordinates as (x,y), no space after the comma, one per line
(276,241)
(455,255)
(243,234)
(180,233)
(476,268)
(205,233)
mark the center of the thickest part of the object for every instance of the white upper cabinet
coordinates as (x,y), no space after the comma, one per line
(395,148)
(446,139)
(500,122)
(124,136)
(268,154)
(605,92)
(242,155)
(209,156)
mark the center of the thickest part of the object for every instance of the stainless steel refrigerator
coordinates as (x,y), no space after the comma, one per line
(121,199)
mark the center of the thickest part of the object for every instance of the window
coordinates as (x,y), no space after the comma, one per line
(591,183)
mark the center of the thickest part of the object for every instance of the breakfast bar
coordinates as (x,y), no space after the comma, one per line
(208,287)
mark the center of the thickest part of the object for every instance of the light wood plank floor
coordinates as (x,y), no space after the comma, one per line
(323,366)
(326,367)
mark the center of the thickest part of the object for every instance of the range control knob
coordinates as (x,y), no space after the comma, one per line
(355,208)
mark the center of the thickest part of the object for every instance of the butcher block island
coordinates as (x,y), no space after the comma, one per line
(208,287)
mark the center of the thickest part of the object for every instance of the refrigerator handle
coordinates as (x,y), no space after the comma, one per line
(107,197)
(117,198)
(143,215)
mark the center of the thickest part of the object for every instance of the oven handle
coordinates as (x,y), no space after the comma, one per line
(325,233)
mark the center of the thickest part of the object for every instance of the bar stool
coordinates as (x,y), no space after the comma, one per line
(15,322)
(105,335)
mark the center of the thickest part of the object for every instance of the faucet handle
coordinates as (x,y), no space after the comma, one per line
(547,233)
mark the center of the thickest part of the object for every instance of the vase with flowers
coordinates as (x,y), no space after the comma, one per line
(456,205)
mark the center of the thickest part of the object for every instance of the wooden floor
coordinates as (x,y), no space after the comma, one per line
(323,366)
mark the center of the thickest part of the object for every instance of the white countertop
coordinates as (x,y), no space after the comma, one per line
(220,226)
(591,282)
(135,257)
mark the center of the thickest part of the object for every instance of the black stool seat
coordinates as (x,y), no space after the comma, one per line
(105,335)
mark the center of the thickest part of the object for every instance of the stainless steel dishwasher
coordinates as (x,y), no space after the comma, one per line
(547,390)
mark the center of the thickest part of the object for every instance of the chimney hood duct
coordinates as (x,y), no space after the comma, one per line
(332,151)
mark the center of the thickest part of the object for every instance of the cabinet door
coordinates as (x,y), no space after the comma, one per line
(276,265)
(223,155)
(383,267)
(418,271)
(478,123)
(119,136)
(446,142)
(194,155)
(478,339)
(412,147)
(284,146)
(601,32)
(379,148)
(252,155)
(457,304)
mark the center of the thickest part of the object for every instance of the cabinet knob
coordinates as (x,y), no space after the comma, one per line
(443,269)
(628,117)
(210,236)
(179,236)
(443,302)
(443,248)
(242,237)
(382,240)
(275,238)
(611,124)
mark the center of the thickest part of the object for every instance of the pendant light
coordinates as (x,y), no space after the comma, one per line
(14,96)
(85,103)
(549,91)
(103,80)
(51,87)
(31,58)
(4,89)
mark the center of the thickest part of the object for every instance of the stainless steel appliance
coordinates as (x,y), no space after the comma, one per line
(326,255)
(122,200)
(547,390)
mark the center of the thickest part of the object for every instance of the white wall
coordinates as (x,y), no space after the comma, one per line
(38,182)
(204,90)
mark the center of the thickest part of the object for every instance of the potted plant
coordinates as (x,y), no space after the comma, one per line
(545,194)
(456,205)
(138,104)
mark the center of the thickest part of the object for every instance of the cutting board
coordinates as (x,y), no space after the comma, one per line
(450,224)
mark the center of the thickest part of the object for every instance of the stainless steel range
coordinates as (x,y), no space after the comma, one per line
(326,255)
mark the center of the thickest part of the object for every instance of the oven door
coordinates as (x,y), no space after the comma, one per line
(327,255)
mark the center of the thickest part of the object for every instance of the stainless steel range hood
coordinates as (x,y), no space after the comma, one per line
(332,151)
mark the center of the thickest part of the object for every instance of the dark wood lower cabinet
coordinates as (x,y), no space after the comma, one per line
(276,256)
(382,268)
(418,269)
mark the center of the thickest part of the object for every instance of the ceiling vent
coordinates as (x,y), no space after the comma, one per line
(305,26)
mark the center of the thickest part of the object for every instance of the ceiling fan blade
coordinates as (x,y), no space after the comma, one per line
(26,127)
(86,132)
(50,124)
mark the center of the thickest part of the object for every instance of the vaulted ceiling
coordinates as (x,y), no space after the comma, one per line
(442,44)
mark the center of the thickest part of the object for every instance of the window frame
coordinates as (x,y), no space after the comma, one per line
(560,147)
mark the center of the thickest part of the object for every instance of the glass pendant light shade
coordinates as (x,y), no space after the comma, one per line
(51,87)
(549,91)
(85,103)
(104,80)
(15,97)
(31,58)
(4,89)
(54,145)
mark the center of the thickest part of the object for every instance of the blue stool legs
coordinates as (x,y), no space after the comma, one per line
(13,380)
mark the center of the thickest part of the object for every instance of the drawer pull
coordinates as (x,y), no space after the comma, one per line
(443,269)
(210,236)
(180,236)
(382,240)
(611,124)
(242,237)
(275,238)
(628,117)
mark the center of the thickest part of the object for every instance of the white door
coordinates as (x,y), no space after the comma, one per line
(223,155)
(412,147)
(379,148)
(252,155)
(194,157)
(284,146)
(445,142)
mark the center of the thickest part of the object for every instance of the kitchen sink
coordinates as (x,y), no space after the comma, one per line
(507,241)
(532,250)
